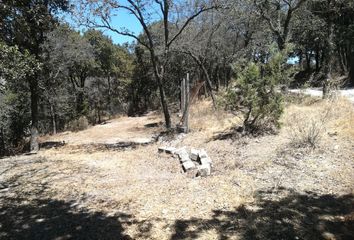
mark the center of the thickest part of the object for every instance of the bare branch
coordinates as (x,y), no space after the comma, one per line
(188,21)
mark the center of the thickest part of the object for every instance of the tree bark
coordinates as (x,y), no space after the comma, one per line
(317,59)
(52,113)
(328,57)
(109,95)
(34,146)
(164,103)
(80,102)
(2,142)
(351,70)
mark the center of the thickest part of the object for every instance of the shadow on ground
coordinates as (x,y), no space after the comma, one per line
(49,219)
(279,214)
(31,214)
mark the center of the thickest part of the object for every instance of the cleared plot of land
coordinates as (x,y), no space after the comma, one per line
(260,188)
(123,129)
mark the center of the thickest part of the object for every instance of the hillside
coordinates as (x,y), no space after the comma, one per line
(260,187)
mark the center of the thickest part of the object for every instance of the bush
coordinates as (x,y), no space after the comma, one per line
(78,124)
(256,95)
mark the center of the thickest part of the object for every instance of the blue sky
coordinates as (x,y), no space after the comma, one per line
(127,21)
(122,20)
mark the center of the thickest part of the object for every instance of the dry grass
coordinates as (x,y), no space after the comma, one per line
(165,203)
(307,125)
(205,119)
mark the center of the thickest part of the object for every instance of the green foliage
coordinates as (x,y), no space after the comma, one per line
(15,65)
(255,93)
(15,68)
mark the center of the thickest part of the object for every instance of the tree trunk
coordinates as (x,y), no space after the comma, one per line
(2,143)
(80,102)
(34,146)
(52,113)
(317,58)
(308,61)
(109,101)
(164,103)
(351,70)
(328,59)
(160,78)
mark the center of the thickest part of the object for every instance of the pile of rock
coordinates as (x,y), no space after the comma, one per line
(196,160)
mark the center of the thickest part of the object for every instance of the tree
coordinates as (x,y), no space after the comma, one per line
(279,15)
(15,67)
(73,56)
(24,23)
(255,90)
(105,10)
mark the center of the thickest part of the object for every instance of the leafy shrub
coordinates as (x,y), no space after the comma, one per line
(78,124)
(255,93)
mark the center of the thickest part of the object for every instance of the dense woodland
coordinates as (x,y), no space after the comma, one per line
(238,53)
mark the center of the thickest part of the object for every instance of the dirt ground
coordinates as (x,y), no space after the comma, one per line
(260,188)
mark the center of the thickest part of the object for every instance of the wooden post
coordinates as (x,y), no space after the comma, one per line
(183,96)
(186,107)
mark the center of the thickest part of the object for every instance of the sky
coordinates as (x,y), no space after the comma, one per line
(127,21)
(122,20)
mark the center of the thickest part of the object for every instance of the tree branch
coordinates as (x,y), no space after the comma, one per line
(189,20)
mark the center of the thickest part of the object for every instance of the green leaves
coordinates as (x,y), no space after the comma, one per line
(255,92)
(15,65)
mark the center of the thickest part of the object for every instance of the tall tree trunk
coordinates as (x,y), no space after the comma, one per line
(34,146)
(164,103)
(328,59)
(308,61)
(351,70)
(317,58)
(54,124)
(80,102)
(159,79)
(109,95)
(2,142)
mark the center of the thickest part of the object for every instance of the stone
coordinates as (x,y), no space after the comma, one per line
(194,154)
(184,158)
(161,149)
(180,150)
(203,154)
(188,165)
(170,150)
(205,161)
(182,153)
(204,170)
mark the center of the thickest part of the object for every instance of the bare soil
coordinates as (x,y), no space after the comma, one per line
(260,188)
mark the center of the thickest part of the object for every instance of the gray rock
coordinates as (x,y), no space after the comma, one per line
(181,153)
(188,165)
(180,150)
(205,161)
(169,150)
(194,154)
(184,158)
(204,170)
(161,149)
(203,154)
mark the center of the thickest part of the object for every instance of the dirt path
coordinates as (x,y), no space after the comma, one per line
(123,129)
(317,92)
